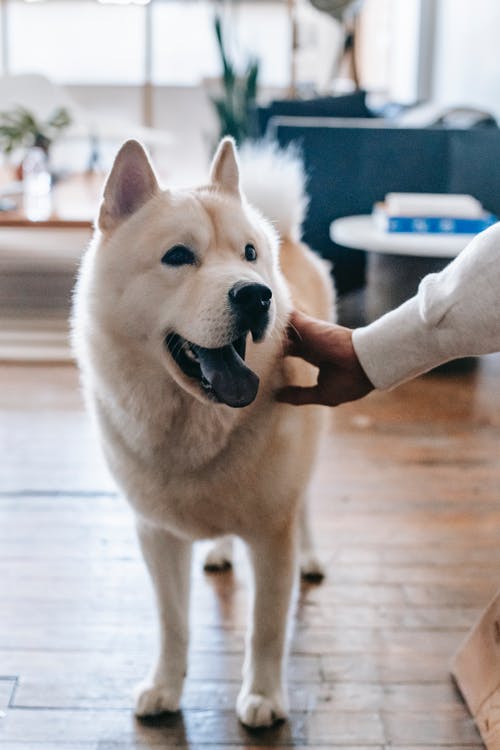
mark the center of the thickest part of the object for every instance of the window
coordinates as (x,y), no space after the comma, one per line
(77,41)
(184,45)
(91,42)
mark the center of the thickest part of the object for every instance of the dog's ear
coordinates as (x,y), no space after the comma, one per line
(130,184)
(224,171)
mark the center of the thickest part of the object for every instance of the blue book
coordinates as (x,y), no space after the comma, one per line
(434,224)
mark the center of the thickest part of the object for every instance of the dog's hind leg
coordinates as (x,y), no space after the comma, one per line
(168,559)
(263,698)
(311,569)
(220,555)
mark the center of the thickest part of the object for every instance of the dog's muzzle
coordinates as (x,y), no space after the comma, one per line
(221,372)
(250,303)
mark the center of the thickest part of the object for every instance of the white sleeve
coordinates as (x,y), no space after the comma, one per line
(456,313)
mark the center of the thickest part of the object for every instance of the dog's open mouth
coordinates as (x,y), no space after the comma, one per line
(221,373)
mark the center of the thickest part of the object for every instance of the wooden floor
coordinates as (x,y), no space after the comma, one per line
(408,520)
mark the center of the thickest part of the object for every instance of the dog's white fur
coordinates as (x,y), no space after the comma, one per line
(192,469)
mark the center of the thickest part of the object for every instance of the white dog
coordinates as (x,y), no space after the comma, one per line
(179,321)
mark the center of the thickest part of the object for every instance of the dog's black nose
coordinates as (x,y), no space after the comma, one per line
(250,299)
(251,303)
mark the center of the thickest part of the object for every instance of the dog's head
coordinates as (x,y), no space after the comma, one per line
(191,276)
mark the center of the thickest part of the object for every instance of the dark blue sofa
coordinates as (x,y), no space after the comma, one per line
(350,165)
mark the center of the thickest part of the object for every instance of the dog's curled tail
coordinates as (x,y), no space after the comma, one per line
(273,180)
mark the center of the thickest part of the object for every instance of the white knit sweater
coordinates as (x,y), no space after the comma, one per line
(455,313)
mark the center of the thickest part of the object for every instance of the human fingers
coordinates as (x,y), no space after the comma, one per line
(293,342)
(298,396)
(306,337)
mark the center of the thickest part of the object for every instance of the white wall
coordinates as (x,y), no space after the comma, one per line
(390,45)
(403,54)
(466,54)
(184,111)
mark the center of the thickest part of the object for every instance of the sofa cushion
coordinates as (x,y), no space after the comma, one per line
(348,105)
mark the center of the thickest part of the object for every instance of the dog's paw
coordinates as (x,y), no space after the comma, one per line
(151,700)
(255,710)
(311,569)
(219,557)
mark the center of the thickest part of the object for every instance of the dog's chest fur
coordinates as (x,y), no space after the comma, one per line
(198,469)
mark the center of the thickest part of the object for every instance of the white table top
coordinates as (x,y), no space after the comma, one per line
(360,232)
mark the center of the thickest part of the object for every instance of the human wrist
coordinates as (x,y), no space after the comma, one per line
(397,347)
(360,376)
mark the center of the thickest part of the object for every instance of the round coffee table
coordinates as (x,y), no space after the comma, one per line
(397,262)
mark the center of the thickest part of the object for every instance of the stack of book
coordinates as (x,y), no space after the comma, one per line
(432,213)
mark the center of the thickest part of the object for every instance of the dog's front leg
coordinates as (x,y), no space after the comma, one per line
(168,559)
(263,696)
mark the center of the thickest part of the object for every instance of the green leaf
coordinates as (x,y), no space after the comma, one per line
(59,119)
(235,108)
(20,127)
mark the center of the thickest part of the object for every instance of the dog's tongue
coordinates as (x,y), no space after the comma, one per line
(231,380)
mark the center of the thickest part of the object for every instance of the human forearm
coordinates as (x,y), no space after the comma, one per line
(455,313)
(400,346)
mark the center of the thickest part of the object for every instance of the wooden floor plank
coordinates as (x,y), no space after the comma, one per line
(427,728)
(55,745)
(7,687)
(221,695)
(196,727)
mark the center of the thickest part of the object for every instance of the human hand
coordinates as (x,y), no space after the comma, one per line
(329,348)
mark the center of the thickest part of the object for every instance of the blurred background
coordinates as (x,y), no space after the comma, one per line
(379,95)
(154,63)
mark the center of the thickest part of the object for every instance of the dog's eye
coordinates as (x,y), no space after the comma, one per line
(179,255)
(250,253)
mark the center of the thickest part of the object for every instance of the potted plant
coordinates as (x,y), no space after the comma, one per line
(235,107)
(20,128)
